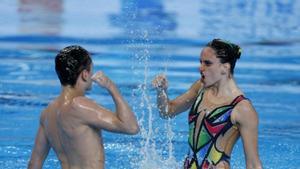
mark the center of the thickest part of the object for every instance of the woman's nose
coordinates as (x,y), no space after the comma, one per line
(201,68)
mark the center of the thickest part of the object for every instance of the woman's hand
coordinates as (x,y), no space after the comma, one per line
(160,82)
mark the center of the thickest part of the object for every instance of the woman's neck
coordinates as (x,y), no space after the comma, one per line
(225,88)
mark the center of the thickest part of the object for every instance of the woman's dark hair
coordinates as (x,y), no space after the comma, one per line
(70,62)
(226,51)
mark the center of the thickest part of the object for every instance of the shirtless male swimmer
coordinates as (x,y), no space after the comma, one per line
(72,123)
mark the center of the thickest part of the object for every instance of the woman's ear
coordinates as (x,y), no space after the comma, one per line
(227,67)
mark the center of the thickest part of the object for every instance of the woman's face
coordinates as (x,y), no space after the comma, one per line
(210,67)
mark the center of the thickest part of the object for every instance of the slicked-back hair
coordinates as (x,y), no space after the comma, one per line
(226,51)
(70,62)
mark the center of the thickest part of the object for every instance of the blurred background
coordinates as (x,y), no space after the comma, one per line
(134,40)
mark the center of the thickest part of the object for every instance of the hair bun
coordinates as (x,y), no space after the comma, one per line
(237,51)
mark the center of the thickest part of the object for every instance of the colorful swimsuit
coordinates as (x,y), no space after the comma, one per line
(203,151)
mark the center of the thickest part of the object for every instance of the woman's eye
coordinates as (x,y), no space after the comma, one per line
(207,63)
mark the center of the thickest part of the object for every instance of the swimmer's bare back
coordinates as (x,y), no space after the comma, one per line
(77,144)
(72,126)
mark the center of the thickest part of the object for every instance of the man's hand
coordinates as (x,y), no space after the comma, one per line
(101,79)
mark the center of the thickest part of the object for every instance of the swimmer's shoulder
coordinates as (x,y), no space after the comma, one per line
(83,104)
(244,106)
(48,110)
(196,86)
(244,110)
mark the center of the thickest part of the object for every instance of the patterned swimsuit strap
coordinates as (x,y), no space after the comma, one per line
(238,99)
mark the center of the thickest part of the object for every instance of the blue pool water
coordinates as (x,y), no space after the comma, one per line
(132,41)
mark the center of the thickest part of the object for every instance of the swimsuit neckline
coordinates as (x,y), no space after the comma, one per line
(201,92)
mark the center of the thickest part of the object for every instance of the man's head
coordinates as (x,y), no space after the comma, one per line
(71,62)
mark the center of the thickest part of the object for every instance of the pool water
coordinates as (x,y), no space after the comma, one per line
(134,40)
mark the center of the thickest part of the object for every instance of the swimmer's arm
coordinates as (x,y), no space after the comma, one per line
(121,121)
(123,112)
(170,108)
(40,150)
(247,121)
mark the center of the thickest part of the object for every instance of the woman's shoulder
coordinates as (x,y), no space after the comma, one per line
(197,86)
(244,111)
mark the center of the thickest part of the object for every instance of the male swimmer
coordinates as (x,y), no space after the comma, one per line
(72,123)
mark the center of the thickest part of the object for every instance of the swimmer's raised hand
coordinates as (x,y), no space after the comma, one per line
(101,79)
(160,82)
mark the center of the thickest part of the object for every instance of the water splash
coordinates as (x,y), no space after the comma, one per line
(151,153)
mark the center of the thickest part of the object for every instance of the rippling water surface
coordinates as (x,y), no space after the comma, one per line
(132,41)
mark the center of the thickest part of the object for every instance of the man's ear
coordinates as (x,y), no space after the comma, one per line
(84,75)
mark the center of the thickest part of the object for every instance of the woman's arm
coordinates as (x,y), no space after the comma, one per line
(247,120)
(170,108)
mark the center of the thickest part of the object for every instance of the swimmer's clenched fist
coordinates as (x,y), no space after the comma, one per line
(101,79)
(160,82)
